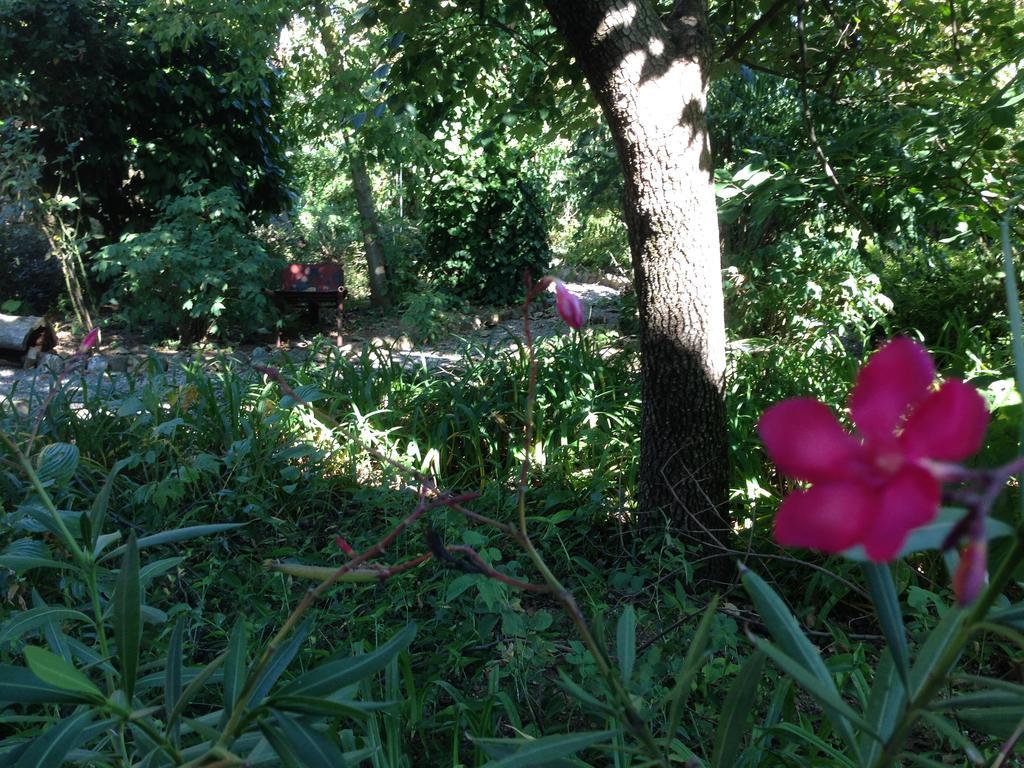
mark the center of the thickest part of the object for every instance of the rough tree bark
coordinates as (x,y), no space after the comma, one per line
(649,75)
(375,261)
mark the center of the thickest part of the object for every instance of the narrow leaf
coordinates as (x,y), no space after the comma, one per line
(536,752)
(98,510)
(885,704)
(193,688)
(797,648)
(732,724)
(234,667)
(19,685)
(826,696)
(625,638)
(175,536)
(887,606)
(34,618)
(335,675)
(931,652)
(52,669)
(50,749)
(279,662)
(692,664)
(128,616)
(282,748)
(313,749)
(172,675)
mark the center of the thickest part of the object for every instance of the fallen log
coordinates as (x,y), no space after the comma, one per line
(26,337)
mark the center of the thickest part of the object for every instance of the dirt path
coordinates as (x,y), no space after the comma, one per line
(119,360)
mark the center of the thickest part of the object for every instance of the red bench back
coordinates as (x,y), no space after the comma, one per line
(313,278)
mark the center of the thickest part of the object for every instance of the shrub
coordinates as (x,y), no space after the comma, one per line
(197,271)
(482,227)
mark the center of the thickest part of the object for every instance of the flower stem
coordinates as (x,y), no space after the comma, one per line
(933,683)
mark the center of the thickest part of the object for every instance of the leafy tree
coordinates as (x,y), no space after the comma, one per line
(129,98)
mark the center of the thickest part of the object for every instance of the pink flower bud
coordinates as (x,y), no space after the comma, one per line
(90,340)
(569,305)
(972,572)
(344,546)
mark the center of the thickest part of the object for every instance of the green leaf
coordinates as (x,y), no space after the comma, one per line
(19,685)
(885,704)
(34,618)
(57,462)
(52,669)
(692,664)
(176,535)
(581,695)
(534,753)
(1012,616)
(128,616)
(234,666)
(625,648)
(887,606)
(279,662)
(313,749)
(837,758)
(798,650)
(22,555)
(282,748)
(826,695)
(50,749)
(932,536)
(98,510)
(335,675)
(732,723)
(931,652)
(945,728)
(172,674)
(193,688)
(317,705)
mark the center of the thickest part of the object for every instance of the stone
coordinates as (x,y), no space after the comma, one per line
(119,363)
(51,363)
(97,364)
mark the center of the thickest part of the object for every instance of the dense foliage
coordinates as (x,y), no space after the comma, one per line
(197,270)
(160,531)
(483,226)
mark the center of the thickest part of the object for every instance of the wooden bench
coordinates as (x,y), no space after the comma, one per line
(313,285)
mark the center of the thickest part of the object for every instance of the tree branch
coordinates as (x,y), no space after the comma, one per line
(740,42)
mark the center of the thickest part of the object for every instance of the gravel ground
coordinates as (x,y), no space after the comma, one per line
(119,359)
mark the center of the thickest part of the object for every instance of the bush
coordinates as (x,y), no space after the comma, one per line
(428,314)
(938,291)
(27,270)
(196,272)
(482,227)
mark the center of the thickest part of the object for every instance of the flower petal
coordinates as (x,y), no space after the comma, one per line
(829,517)
(805,441)
(948,425)
(569,305)
(910,499)
(895,378)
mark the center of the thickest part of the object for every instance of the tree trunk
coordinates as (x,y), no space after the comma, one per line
(368,222)
(375,262)
(649,76)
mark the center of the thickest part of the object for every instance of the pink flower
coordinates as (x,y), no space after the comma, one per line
(972,572)
(569,306)
(874,487)
(89,341)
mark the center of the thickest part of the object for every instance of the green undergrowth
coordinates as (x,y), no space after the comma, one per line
(217,442)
